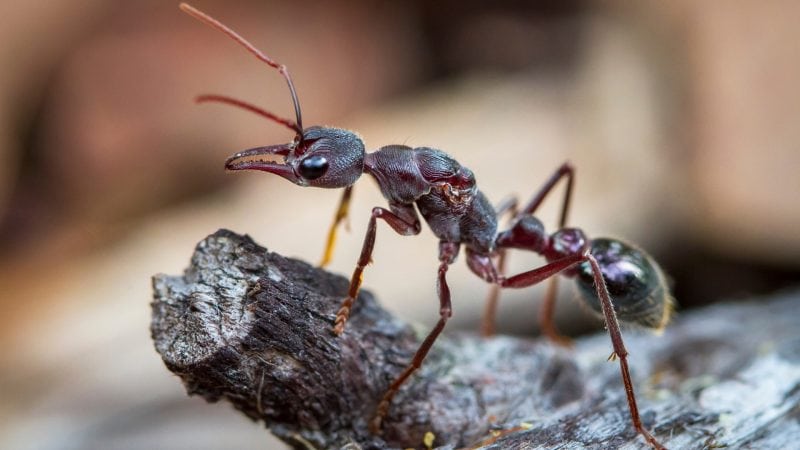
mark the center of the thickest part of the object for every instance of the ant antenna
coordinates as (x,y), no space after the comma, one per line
(250,107)
(214,23)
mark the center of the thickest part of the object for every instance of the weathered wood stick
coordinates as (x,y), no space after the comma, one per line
(254,328)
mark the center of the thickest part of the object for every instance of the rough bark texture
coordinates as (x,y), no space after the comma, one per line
(254,328)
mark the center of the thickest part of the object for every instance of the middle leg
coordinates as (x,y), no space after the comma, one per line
(447,254)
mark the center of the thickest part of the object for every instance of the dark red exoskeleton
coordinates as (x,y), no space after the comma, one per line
(445,193)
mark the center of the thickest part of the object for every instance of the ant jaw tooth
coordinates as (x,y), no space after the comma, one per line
(258,157)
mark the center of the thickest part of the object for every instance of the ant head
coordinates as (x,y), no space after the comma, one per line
(320,157)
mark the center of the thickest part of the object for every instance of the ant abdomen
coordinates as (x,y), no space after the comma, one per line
(636,283)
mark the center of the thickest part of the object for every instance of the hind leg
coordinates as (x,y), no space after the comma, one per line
(609,316)
(547,311)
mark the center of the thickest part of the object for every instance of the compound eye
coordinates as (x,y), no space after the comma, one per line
(313,167)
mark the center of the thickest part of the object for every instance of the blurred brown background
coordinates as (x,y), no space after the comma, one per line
(681,118)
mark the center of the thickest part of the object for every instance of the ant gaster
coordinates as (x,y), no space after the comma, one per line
(447,197)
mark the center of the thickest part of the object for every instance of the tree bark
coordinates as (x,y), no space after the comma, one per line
(255,329)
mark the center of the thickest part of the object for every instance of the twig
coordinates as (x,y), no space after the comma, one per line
(254,328)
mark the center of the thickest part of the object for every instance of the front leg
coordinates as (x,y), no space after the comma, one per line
(341,214)
(404,220)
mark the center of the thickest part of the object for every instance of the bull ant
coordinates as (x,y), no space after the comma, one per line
(446,195)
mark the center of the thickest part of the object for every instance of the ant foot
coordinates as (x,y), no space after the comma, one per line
(342,315)
(376,424)
(558,339)
(487,328)
(650,439)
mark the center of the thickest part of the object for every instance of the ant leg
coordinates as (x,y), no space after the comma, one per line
(619,349)
(490,312)
(542,273)
(403,219)
(566,170)
(534,276)
(509,205)
(447,254)
(547,311)
(341,214)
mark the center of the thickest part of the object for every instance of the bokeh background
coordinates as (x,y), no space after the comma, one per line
(681,118)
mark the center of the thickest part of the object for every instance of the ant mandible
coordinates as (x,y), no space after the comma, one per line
(447,197)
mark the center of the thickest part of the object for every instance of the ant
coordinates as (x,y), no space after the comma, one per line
(446,195)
